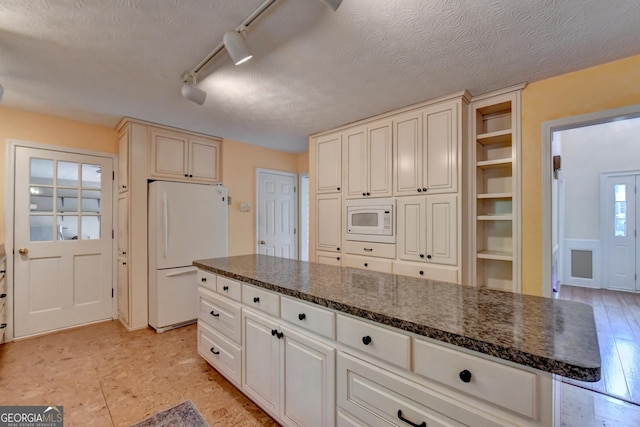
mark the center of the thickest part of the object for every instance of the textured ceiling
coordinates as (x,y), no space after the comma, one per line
(313,69)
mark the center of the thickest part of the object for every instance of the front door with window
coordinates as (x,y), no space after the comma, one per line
(621,207)
(63,240)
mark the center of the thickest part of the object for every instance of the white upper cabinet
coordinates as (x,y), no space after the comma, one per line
(329,163)
(183,157)
(367,156)
(426,150)
(123,160)
(329,222)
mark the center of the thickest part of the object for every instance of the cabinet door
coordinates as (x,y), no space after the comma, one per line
(204,160)
(123,160)
(442,229)
(328,222)
(123,289)
(308,382)
(412,228)
(407,143)
(168,154)
(355,159)
(440,148)
(379,164)
(329,163)
(123,224)
(261,367)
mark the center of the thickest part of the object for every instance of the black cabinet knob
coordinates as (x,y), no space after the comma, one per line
(338,258)
(368,194)
(274,332)
(424,189)
(338,188)
(256,300)
(302,316)
(214,314)
(366,264)
(419,190)
(279,335)
(421,255)
(225,288)
(213,350)
(364,194)
(428,256)
(366,340)
(204,279)
(190,176)
(337,249)
(465,376)
(421,273)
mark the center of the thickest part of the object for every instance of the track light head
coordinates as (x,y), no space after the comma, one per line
(193,93)
(333,4)
(237,47)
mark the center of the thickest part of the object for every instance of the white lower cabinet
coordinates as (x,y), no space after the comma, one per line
(288,373)
(220,352)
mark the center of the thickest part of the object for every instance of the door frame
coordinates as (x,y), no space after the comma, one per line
(548,128)
(296,207)
(303,227)
(10,153)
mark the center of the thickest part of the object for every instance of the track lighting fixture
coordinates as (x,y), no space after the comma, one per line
(234,43)
(237,47)
(191,92)
(333,4)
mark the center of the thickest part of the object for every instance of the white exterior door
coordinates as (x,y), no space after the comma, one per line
(63,240)
(620,204)
(277,214)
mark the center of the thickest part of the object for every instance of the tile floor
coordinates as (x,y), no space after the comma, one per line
(105,376)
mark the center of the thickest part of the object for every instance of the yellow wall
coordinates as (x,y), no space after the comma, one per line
(239,163)
(612,85)
(303,163)
(32,127)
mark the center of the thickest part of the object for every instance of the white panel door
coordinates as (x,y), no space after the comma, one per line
(277,218)
(329,222)
(440,150)
(621,240)
(442,229)
(412,233)
(407,143)
(379,164)
(355,159)
(329,163)
(63,239)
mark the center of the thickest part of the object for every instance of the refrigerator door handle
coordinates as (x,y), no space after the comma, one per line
(185,271)
(166,224)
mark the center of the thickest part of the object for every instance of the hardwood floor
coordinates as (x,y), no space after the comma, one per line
(105,376)
(617,317)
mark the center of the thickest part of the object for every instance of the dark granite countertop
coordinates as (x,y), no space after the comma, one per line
(550,335)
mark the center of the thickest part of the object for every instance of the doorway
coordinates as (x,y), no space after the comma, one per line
(62,234)
(276,215)
(619,217)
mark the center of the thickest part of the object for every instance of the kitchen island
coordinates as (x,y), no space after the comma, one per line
(398,338)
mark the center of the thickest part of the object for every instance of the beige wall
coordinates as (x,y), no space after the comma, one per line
(32,127)
(604,87)
(303,163)
(239,163)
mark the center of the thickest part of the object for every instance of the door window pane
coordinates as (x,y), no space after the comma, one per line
(91,201)
(620,210)
(91,176)
(40,228)
(90,227)
(41,171)
(41,199)
(67,227)
(67,200)
(68,174)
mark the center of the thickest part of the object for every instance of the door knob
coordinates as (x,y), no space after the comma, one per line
(23,251)
(262,242)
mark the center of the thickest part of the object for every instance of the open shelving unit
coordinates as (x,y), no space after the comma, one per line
(495,190)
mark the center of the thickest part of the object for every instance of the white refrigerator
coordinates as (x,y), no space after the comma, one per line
(186,222)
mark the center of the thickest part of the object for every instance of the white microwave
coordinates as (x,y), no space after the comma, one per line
(371,220)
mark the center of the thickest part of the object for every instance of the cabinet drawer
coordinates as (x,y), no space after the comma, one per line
(367,263)
(374,340)
(221,353)
(378,397)
(425,271)
(220,313)
(262,300)
(502,385)
(229,288)
(206,279)
(307,316)
(380,250)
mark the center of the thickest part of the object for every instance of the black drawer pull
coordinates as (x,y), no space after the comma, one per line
(213,350)
(4,325)
(366,340)
(302,316)
(256,299)
(3,271)
(204,279)
(368,249)
(225,288)
(423,424)
(214,314)
(3,295)
(465,376)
